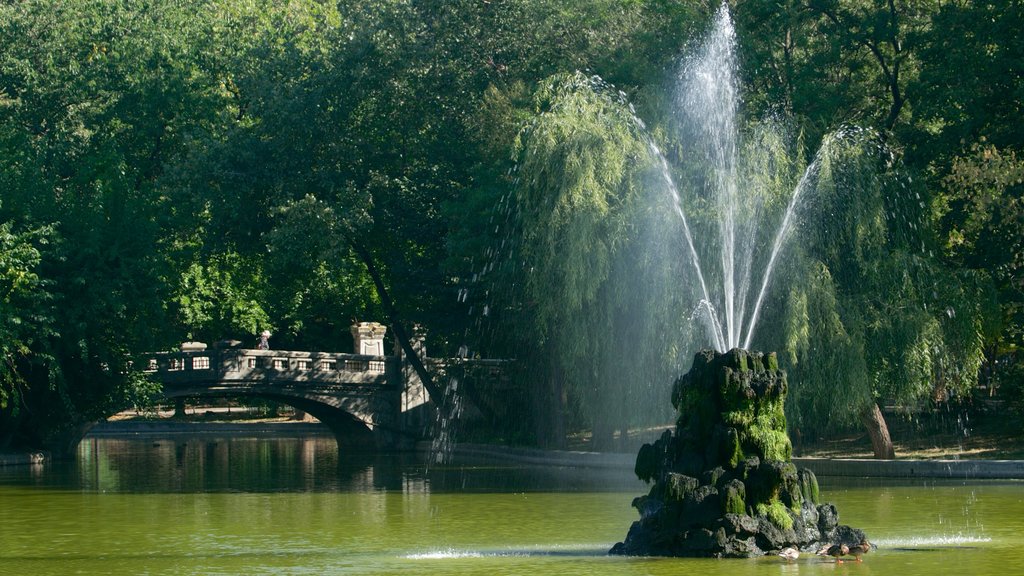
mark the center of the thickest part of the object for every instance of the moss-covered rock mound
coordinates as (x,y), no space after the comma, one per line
(723,484)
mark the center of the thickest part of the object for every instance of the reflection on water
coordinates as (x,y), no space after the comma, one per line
(297,506)
(233,465)
(312,464)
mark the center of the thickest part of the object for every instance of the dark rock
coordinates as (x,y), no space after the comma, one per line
(679,486)
(647,506)
(828,518)
(844,534)
(805,525)
(701,541)
(646,463)
(701,507)
(741,548)
(772,537)
(690,462)
(651,458)
(739,525)
(714,477)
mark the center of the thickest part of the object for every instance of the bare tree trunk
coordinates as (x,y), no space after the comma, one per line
(549,412)
(878,430)
(396,326)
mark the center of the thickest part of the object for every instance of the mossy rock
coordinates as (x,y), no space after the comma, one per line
(748,466)
(766,435)
(776,513)
(679,486)
(734,498)
(724,448)
(809,486)
(766,482)
(731,435)
(771,445)
(791,494)
(737,359)
(756,362)
(715,477)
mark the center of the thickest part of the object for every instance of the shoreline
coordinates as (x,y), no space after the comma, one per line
(36,458)
(962,469)
(146,428)
(952,469)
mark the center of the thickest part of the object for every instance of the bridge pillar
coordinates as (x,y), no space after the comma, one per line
(368,338)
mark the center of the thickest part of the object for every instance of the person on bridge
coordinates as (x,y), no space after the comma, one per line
(264,343)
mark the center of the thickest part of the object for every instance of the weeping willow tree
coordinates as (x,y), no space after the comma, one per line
(870,316)
(583,282)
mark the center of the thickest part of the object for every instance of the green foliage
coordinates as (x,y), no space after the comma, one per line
(580,167)
(938,79)
(767,432)
(318,282)
(775,511)
(97,97)
(967,91)
(25,313)
(982,218)
(1010,384)
(582,162)
(222,298)
(871,313)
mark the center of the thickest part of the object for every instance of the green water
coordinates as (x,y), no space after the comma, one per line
(292,506)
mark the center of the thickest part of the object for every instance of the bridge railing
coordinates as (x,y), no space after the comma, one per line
(239,364)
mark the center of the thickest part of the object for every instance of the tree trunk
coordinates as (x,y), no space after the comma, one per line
(400,334)
(549,413)
(878,430)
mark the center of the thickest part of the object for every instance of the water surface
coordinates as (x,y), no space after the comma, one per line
(294,506)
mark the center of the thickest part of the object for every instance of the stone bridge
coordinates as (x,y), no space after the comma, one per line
(370,401)
(366,400)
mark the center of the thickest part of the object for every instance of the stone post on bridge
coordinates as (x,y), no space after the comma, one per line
(368,338)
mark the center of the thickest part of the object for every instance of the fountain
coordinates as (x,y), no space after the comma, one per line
(723,484)
(709,101)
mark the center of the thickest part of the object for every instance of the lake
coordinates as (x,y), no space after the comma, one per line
(295,506)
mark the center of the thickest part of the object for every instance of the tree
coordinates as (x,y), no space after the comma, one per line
(26,320)
(577,208)
(874,316)
(99,97)
(968,115)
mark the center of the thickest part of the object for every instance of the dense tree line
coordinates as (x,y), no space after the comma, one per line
(482,169)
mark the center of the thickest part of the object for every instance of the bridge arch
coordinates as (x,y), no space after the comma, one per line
(346,420)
